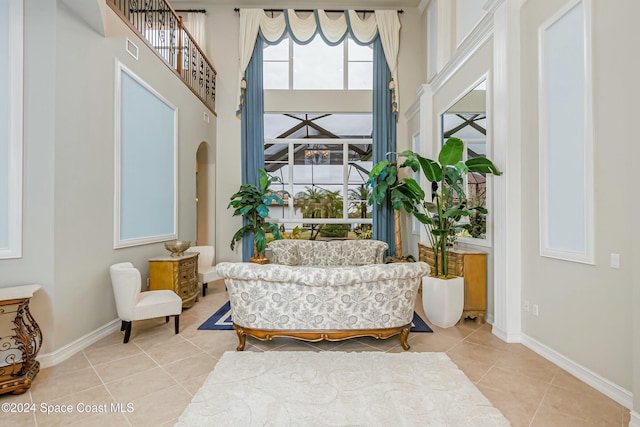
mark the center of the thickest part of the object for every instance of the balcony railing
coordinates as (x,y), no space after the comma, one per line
(161,28)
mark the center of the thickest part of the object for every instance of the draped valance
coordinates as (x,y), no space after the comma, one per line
(384,23)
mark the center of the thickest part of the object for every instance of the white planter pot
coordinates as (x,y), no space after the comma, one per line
(443,300)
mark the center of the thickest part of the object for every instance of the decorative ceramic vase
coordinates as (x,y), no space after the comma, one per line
(443,300)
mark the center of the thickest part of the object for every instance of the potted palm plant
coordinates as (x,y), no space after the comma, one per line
(439,210)
(252,203)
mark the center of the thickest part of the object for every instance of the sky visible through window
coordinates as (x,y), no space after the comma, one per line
(318,66)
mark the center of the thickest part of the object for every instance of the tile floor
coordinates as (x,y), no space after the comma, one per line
(157,373)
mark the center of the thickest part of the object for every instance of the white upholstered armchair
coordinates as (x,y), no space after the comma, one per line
(206,268)
(132,304)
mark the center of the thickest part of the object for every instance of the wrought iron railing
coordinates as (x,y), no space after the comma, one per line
(161,28)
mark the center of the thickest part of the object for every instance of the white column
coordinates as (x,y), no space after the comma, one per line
(507,189)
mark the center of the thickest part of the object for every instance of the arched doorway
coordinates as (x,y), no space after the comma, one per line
(205,198)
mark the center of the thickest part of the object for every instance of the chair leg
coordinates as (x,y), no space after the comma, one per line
(177,320)
(127,331)
(204,289)
(166,319)
(122,326)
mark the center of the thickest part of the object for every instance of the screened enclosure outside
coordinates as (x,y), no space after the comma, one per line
(471,129)
(323,161)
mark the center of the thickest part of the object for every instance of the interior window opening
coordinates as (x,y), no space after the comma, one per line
(323,161)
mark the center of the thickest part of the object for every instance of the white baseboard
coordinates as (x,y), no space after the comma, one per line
(635,419)
(505,336)
(489,319)
(604,386)
(62,354)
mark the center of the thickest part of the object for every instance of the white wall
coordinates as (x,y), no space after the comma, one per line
(468,14)
(585,313)
(222,42)
(37,262)
(69,168)
(411,65)
(631,65)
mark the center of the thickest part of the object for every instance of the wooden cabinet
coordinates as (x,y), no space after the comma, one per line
(179,274)
(473,267)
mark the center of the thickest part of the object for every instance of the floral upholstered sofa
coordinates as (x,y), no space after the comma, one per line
(323,290)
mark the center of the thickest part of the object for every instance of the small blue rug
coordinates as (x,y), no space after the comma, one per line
(221,321)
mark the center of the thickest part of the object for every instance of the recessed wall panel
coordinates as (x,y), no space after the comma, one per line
(4,124)
(566,162)
(145,165)
(432,40)
(11,94)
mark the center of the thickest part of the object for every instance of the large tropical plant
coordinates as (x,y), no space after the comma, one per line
(252,202)
(316,202)
(443,205)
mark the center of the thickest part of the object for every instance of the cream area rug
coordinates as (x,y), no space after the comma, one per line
(338,389)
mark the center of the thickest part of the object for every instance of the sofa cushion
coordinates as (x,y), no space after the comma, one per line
(305,250)
(362,252)
(319,253)
(327,253)
(285,253)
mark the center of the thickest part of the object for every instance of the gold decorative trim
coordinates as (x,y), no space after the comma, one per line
(322,335)
(18,351)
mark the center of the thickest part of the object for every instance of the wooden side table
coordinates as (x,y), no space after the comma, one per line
(473,267)
(18,350)
(179,274)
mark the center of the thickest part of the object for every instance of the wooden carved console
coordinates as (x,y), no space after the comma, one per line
(19,345)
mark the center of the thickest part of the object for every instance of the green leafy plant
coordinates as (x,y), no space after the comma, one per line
(295,234)
(316,202)
(363,231)
(477,226)
(252,203)
(439,209)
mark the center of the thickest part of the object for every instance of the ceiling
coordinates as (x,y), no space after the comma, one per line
(325,4)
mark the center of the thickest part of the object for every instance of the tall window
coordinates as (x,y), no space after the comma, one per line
(323,159)
(318,66)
